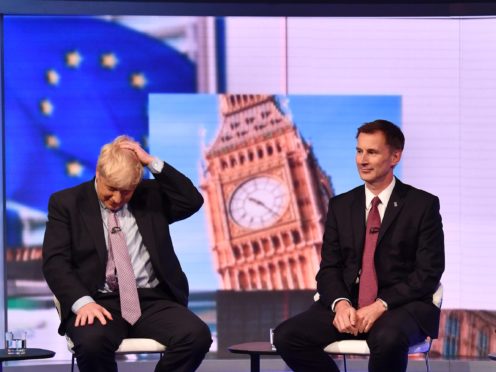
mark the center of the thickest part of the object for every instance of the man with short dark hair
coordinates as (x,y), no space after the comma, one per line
(382,260)
(109,260)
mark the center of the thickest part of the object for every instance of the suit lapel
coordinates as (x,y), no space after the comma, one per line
(92,216)
(395,204)
(138,207)
(358,218)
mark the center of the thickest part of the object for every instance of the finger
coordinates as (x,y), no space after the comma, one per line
(353,318)
(78,320)
(90,319)
(369,326)
(344,324)
(340,325)
(337,324)
(101,318)
(128,146)
(82,319)
(105,312)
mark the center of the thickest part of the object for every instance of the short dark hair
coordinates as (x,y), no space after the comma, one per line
(394,136)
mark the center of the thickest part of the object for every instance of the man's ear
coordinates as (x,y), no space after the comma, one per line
(396,157)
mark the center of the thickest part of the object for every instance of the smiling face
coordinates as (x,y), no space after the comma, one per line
(376,160)
(112,196)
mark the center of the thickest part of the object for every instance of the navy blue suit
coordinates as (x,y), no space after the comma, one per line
(409,262)
(75,258)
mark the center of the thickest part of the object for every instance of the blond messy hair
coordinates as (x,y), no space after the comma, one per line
(120,167)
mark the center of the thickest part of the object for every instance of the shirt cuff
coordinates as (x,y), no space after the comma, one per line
(383,302)
(333,306)
(81,302)
(156,166)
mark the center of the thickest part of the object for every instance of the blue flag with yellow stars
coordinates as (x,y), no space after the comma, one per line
(73,84)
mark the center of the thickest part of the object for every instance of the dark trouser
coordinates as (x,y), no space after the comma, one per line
(300,340)
(186,337)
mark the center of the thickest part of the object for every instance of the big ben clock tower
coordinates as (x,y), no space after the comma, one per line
(266,197)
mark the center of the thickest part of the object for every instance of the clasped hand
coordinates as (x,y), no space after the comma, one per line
(352,321)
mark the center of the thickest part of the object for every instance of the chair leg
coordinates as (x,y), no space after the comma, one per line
(72,363)
(344,363)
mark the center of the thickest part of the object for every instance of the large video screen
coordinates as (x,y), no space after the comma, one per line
(261,113)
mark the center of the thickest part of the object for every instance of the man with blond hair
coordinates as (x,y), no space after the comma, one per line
(109,260)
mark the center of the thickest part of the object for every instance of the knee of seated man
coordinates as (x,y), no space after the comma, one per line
(94,343)
(387,340)
(283,336)
(197,335)
(203,338)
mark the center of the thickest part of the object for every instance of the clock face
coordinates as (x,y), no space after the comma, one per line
(259,202)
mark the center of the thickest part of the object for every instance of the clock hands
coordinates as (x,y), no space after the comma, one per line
(262,204)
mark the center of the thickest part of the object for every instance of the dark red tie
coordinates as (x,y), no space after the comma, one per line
(367,291)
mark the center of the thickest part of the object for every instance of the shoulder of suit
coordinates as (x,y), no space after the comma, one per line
(349,195)
(411,191)
(74,190)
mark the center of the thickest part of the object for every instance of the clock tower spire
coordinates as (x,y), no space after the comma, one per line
(266,197)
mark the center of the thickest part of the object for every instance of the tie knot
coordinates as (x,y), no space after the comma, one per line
(375,202)
(112,219)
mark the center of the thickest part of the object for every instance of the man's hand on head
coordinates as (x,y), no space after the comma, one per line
(135,147)
(345,319)
(87,314)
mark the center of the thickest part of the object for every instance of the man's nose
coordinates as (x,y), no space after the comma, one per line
(117,197)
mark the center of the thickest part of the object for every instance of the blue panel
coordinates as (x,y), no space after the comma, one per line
(73,84)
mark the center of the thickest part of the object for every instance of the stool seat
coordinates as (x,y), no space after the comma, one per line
(360,347)
(127,346)
(140,345)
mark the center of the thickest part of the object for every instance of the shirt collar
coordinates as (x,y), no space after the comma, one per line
(384,195)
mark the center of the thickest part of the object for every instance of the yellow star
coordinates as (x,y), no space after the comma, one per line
(109,60)
(52,141)
(73,59)
(74,168)
(138,80)
(46,107)
(52,77)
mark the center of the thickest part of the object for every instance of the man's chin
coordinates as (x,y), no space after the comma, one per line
(113,207)
(365,176)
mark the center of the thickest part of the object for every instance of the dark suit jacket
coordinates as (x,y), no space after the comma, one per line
(74,249)
(409,257)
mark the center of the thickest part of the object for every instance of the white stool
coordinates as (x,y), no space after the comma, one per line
(360,347)
(127,346)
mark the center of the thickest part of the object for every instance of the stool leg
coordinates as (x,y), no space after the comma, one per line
(255,362)
(426,356)
(344,363)
(72,363)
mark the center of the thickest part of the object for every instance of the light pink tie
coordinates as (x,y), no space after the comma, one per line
(367,291)
(128,293)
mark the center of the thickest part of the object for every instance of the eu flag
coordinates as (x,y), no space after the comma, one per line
(71,85)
